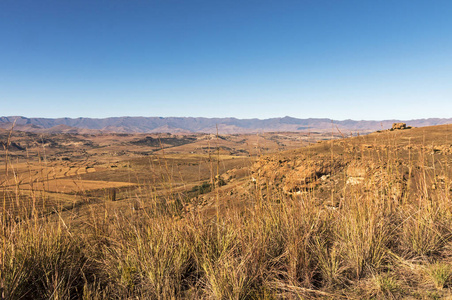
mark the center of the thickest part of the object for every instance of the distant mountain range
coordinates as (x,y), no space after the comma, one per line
(198,125)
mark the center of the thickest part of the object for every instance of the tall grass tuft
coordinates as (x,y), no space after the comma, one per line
(42,262)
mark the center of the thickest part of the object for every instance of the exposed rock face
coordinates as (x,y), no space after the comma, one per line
(397,126)
(294,174)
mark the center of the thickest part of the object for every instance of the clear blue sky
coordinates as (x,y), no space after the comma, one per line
(246,59)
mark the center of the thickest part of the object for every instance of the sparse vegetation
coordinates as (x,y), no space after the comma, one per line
(205,187)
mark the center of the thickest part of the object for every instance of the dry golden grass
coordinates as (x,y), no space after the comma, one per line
(386,235)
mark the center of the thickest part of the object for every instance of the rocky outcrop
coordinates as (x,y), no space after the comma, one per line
(293,175)
(399,126)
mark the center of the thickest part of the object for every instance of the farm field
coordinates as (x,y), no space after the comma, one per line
(90,167)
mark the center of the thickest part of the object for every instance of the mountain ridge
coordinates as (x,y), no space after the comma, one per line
(203,125)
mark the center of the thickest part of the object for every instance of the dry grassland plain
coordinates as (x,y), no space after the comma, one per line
(262,216)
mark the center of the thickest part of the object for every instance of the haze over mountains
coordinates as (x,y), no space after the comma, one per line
(199,125)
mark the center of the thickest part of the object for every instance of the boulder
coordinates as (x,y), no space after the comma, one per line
(397,126)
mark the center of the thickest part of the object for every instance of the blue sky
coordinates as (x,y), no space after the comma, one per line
(345,59)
